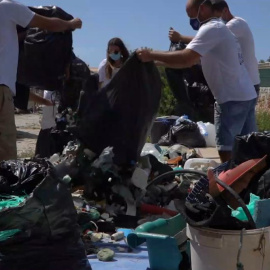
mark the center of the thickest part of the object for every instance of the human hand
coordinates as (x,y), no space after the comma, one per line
(174,36)
(144,55)
(76,24)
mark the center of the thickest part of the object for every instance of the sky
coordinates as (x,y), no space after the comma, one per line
(145,23)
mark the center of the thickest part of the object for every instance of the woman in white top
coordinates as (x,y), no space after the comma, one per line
(117,54)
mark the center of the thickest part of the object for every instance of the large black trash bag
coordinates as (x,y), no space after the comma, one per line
(20,178)
(79,75)
(51,141)
(191,91)
(184,132)
(49,236)
(251,146)
(45,56)
(120,114)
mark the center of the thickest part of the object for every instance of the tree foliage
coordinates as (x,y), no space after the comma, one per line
(168,102)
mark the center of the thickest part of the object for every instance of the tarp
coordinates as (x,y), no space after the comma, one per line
(121,114)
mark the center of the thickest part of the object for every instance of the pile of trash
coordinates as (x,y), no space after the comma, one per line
(38,221)
(171,130)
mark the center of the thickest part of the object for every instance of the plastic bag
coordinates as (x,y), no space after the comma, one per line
(252,146)
(121,114)
(161,126)
(188,134)
(46,235)
(44,56)
(191,91)
(239,212)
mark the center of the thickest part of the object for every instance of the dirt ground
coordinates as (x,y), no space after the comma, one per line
(27,132)
(28,128)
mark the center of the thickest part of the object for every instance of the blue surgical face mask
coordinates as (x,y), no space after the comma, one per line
(195,22)
(115,56)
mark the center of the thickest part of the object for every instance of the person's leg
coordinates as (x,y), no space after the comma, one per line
(8,149)
(250,124)
(229,122)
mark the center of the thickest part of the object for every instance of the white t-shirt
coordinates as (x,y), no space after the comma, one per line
(11,15)
(241,30)
(222,63)
(102,73)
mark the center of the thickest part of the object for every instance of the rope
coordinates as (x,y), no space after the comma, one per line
(239,265)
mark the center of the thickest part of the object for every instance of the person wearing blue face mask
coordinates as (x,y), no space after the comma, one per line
(117,54)
(224,70)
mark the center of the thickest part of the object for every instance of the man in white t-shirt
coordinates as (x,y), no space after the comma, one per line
(11,15)
(241,30)
(224,71)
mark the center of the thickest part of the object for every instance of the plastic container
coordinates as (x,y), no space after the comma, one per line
(150,148)
(218,249)
(200,164)
(210,139)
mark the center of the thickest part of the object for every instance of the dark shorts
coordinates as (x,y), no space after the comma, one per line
(234,118)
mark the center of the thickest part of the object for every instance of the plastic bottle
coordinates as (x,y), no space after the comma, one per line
(54,158)
(211,138)
(182,118)
(202,128)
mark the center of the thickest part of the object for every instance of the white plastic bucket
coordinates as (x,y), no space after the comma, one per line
(218,249)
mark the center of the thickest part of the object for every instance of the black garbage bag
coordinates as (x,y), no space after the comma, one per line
(20,178)
(79,75)
(188,134)
(47,234)
(251,146)
(184,132)
(191,90)
(121,113)
(160,127)
(44,56)
(51,141)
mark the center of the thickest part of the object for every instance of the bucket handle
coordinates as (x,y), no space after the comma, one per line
(239,199)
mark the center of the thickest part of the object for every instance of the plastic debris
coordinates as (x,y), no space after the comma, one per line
(105,255)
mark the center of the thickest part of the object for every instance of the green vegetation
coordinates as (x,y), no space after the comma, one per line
(168,102)
(263,113)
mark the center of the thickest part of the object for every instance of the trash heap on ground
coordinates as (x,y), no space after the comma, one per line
(103,184)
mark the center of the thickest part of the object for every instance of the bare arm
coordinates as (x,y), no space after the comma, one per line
(177,59)
(162,64)
(175,36)
(186,39)
(40,100)
(54,24)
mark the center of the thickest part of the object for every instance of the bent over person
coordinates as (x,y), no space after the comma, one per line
(224,70)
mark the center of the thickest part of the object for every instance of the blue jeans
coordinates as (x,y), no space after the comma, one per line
(234,118)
